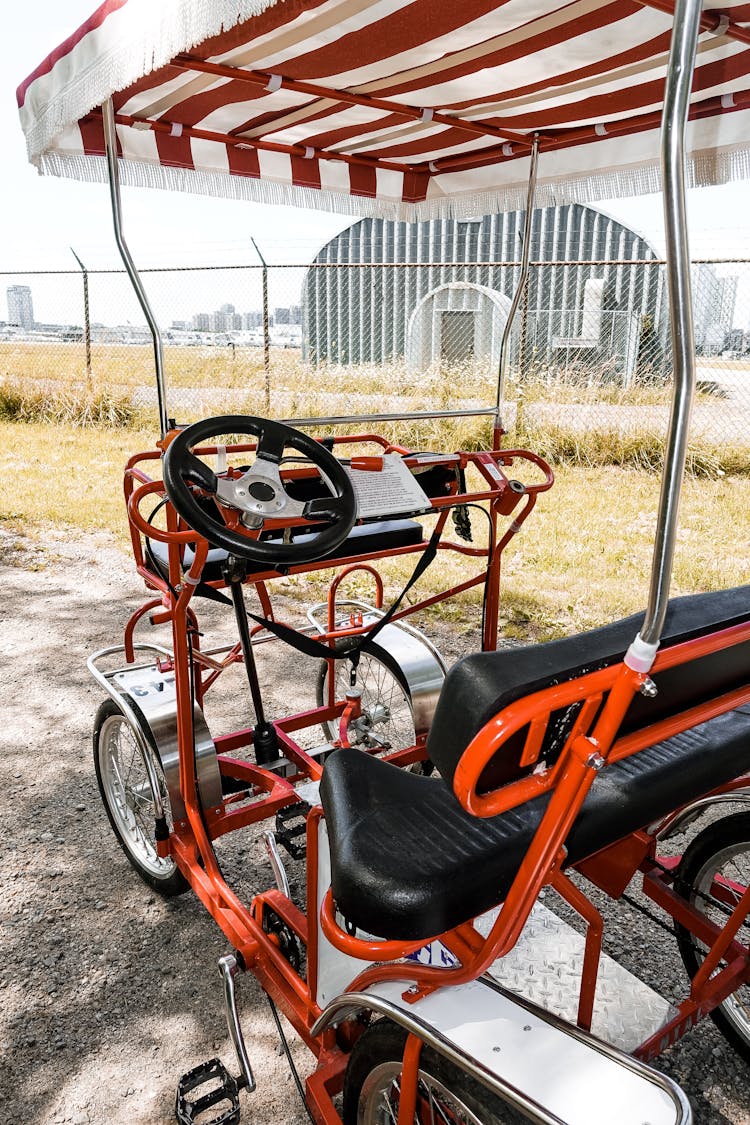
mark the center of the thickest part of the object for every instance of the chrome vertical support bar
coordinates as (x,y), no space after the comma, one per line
(110,144)
(685,31)
(520,288)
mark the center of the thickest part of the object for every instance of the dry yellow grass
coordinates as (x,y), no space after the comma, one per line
(581,559)
(241,369)
(65,475)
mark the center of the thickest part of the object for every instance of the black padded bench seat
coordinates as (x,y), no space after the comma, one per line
(408,862)
(363,539)
(479,686)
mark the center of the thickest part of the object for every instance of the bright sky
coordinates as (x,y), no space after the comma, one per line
(42,217)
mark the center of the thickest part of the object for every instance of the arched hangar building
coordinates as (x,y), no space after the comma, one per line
(438,292)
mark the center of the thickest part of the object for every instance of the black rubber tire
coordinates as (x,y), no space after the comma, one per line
(382,1044)
(377,653)
(729,834)
(172,882)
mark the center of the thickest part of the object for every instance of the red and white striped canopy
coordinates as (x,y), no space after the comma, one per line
(399,108)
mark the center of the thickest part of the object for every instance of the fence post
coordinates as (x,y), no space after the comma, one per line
(497,431)
(86,317)
(266,333)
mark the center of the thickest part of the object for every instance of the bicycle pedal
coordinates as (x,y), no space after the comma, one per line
(286,834)
(221,1093)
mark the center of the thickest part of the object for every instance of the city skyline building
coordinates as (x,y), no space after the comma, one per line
(291,315)
(20,306)
(227,319)
(728,302)
(714,304)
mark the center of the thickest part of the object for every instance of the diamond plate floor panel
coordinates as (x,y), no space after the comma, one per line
(545,967)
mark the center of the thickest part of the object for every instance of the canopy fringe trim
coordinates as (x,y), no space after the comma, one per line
(170,29)
(704,169)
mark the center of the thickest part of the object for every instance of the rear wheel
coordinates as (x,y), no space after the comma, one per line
(128,799)
(446,1095)
(712,876)
(387,720)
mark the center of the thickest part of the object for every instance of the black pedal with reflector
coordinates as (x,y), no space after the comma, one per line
(208,1086)
(291,825)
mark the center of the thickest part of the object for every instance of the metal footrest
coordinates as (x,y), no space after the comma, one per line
(221,1093)
(545,967)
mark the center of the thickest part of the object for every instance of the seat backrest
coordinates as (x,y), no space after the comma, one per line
(481,685)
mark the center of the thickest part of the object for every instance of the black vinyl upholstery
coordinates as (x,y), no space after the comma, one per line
(363,539)
(408,862)
(480,685)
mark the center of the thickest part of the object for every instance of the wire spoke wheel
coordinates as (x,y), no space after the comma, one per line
(713,876)
(435,1104)
(126,792)
(387,721)
(446,1095)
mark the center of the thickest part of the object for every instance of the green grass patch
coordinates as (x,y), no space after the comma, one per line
(68,475)
(636,448)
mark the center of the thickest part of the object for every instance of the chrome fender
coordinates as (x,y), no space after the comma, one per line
(551,1071)
(148,700)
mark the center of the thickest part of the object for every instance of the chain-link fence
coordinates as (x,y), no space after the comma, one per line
(589,347)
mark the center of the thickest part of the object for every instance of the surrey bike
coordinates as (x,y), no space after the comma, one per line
(410,968)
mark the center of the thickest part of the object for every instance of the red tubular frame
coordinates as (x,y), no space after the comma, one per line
(604,697)
(501,498)
(568,783)
(190,842)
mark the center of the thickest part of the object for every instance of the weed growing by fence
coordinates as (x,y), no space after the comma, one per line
(633,449)
(79,406)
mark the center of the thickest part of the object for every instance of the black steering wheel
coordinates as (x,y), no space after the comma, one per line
(259,494)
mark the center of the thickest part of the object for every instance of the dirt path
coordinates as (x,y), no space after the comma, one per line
(109,993)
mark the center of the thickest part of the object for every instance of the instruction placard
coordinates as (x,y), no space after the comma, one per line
(390,492)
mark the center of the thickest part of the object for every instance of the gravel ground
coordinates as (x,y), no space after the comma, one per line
(110,993)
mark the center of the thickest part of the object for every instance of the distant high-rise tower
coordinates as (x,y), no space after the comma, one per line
(20,307)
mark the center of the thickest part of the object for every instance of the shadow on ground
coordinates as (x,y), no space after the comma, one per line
(110,992)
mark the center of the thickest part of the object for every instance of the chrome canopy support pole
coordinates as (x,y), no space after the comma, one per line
(520,290)
(685,31)
(110,144)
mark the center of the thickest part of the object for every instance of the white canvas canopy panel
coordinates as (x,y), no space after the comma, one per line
(398,108)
